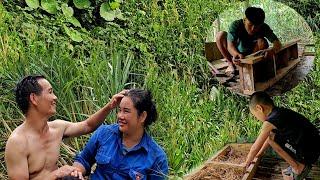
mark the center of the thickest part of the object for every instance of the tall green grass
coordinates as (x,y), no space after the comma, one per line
(162,51)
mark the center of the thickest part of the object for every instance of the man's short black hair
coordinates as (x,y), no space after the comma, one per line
(261,98)
(255,15)
(26,86)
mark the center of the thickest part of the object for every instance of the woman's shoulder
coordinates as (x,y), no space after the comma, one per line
(155,147)
(107,129)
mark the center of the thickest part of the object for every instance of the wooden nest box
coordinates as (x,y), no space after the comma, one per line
(257,73)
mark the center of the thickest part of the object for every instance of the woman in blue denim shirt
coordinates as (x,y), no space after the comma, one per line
(124,150)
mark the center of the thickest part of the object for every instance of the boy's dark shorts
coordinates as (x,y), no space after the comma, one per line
(305,152)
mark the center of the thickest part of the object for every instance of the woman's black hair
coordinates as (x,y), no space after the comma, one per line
(142,101)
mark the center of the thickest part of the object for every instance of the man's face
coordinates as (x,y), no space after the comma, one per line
(251,28)
(47,100)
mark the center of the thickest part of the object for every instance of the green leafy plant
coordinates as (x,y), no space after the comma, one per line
(82,4)
(33,3)
(50,6)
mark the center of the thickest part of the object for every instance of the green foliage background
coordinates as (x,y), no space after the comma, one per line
(158,46)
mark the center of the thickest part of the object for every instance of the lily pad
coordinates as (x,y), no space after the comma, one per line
(49,5)
(34,4)
(106,12)
(66,10)
(73,34)
(81,4)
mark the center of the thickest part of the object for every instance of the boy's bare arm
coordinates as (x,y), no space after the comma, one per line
(263,149)
(256,147)
(16,158)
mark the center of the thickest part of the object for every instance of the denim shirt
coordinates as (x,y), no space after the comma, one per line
(146,160)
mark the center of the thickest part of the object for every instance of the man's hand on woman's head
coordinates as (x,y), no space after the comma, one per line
(115,100)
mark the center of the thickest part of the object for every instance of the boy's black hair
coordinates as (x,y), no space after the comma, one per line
(24,88)
(260,97)
(255,15)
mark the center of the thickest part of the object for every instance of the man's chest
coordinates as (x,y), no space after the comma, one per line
(43,152)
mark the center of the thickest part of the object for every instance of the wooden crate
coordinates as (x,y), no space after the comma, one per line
(212,52)
(258,73)
(215,165)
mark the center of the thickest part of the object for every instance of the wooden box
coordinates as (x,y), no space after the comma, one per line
(258,73)
(226,164)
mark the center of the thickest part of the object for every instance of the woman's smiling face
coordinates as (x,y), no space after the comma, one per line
(128,119)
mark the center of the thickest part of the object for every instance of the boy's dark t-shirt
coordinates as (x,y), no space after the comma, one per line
(296,130)
(244,42)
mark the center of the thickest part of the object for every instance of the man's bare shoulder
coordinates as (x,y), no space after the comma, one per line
(17,139)
(58,123)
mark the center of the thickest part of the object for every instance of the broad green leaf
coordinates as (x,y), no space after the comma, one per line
(114,5)
(74,21)
(49,5)
(106,12)
(73,34)
(119,14)
(67,11)
(82,4)
(33,3)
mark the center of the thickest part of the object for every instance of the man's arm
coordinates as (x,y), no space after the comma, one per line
(276,45)
(94,121)
(16,158)
(233,50)
(256,147)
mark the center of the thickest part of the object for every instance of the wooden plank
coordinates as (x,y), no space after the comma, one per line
(248,78)
(251,60)
(252,169)
(223,151)
(211,51)
(270,168)
(261,86)
(219,64)
(197,169)
(227,165)
(288,44)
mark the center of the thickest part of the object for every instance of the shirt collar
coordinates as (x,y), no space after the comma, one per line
(144,142)
(273,113)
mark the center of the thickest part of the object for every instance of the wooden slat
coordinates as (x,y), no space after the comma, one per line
(271,167)
(261,86)
(210,162)
(211,51)
(197,169)
(219,64)
(251,60)
(288,44)
(252,169)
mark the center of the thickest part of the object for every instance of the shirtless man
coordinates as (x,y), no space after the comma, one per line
(32,150)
